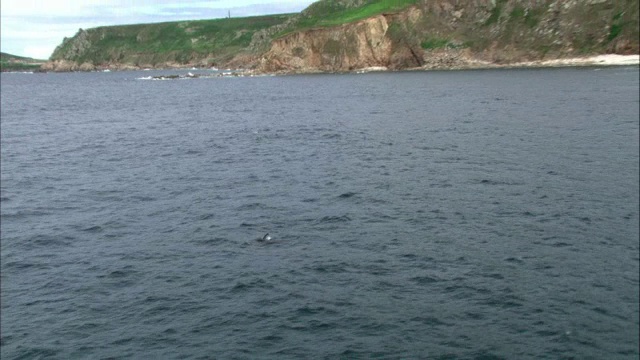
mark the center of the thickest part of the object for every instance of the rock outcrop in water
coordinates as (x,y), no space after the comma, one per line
(423,34)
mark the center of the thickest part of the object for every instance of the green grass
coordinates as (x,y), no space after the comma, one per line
(170,41)
(530,17)
(7,66)
(615,30)
(510,26)
(4,57)
(616,26)
(330,13)
(518,12)
(495,13)
(10,62)
(366,11)
(435,43)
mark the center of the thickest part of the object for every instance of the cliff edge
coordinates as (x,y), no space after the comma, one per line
(456,34)
(347,35)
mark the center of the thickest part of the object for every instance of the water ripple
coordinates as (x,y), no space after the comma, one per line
(493,216)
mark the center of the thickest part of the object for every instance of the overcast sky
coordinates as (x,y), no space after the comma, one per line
(34,28)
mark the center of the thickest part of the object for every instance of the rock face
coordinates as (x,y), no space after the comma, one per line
(430,34)
(199,43)
(60,65)
(451,33)
(78,45)
(383,41)
(360,45)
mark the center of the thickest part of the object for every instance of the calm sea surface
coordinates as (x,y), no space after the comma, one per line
(431,215)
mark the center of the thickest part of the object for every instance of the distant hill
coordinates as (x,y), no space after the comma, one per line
(345,35)
(10,62)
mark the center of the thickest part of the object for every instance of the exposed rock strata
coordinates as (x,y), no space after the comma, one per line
(347,47)
(464,34)
(434,34)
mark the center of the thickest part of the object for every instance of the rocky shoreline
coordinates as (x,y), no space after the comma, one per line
(599,60)
(446,62)
(428,35)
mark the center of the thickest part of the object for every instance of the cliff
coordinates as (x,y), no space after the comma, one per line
(201,43)
(450,33)
(345,35)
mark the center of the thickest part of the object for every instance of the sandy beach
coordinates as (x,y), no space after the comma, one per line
(606,60)
(599,60)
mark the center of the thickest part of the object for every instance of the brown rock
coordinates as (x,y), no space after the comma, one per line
(344,48)
(87,66)
(60,66)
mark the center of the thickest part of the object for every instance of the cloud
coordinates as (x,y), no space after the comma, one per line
(30,27)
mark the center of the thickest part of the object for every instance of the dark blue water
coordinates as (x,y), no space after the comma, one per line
(442,215)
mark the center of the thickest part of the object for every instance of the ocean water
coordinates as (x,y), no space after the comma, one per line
(418,215)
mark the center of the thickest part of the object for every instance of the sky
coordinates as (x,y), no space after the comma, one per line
(34,28)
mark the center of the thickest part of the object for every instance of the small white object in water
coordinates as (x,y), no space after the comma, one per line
(266,237)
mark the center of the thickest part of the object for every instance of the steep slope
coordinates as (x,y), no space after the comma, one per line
(198,43)
(329,13)
(451,33)
(344,35)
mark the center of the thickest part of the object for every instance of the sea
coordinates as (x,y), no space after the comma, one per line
(478,214)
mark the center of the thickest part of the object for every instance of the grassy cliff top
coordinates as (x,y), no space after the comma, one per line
(9,57)
(9,62)
(177,41)
(328,13)
(338,12)
(501,31)
(216,40)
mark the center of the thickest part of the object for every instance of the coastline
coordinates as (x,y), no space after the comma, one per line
(467,64)
(472,64)
(596,60)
